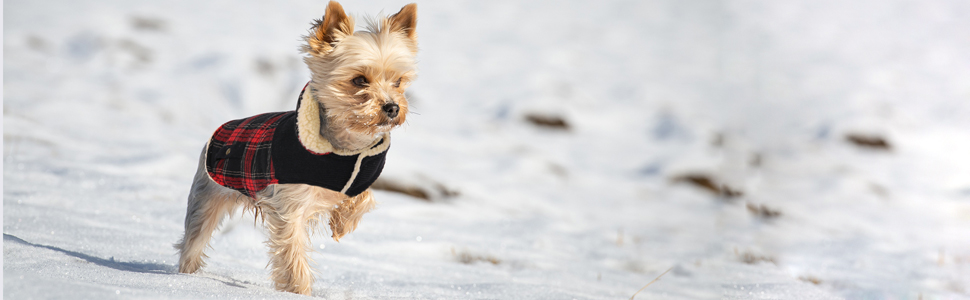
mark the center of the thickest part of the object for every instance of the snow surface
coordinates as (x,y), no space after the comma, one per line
(108,103)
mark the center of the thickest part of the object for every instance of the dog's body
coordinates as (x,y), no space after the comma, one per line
(355,97)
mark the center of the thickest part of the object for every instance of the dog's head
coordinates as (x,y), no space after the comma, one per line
(359,78)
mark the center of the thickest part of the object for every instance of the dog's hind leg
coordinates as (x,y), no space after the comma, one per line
(208,203)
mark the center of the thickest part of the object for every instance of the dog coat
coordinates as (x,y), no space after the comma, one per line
(250,154)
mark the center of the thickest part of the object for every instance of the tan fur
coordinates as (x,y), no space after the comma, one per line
(291,211)
(405,20)
(382,55)
(353,122)
(344,217)
(334,26)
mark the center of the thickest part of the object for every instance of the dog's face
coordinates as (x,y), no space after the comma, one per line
(360,77)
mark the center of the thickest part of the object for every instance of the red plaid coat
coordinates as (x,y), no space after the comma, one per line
(250,154)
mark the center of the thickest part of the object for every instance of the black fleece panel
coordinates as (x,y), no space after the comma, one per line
(296,164)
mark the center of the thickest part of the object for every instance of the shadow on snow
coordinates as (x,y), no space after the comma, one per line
(110,263)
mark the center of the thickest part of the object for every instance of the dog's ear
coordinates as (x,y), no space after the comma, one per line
(405,20)
(334,26)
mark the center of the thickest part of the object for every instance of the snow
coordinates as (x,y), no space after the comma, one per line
(108,103)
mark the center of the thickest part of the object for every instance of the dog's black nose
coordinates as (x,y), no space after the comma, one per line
(391,109)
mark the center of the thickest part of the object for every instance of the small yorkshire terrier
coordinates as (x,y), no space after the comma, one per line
(295,168)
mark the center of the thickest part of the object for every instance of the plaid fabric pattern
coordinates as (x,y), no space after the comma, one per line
(239,155)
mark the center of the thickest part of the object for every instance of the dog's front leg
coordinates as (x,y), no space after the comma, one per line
(288,245)
(344,218)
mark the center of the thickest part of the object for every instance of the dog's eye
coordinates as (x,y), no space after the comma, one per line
(360,81)
(398,83)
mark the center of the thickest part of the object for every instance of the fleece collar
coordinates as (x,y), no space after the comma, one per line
(308,128)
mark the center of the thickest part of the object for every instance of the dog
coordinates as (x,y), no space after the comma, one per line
(298,168)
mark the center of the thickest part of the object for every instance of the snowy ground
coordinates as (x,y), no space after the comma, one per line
(107,104)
